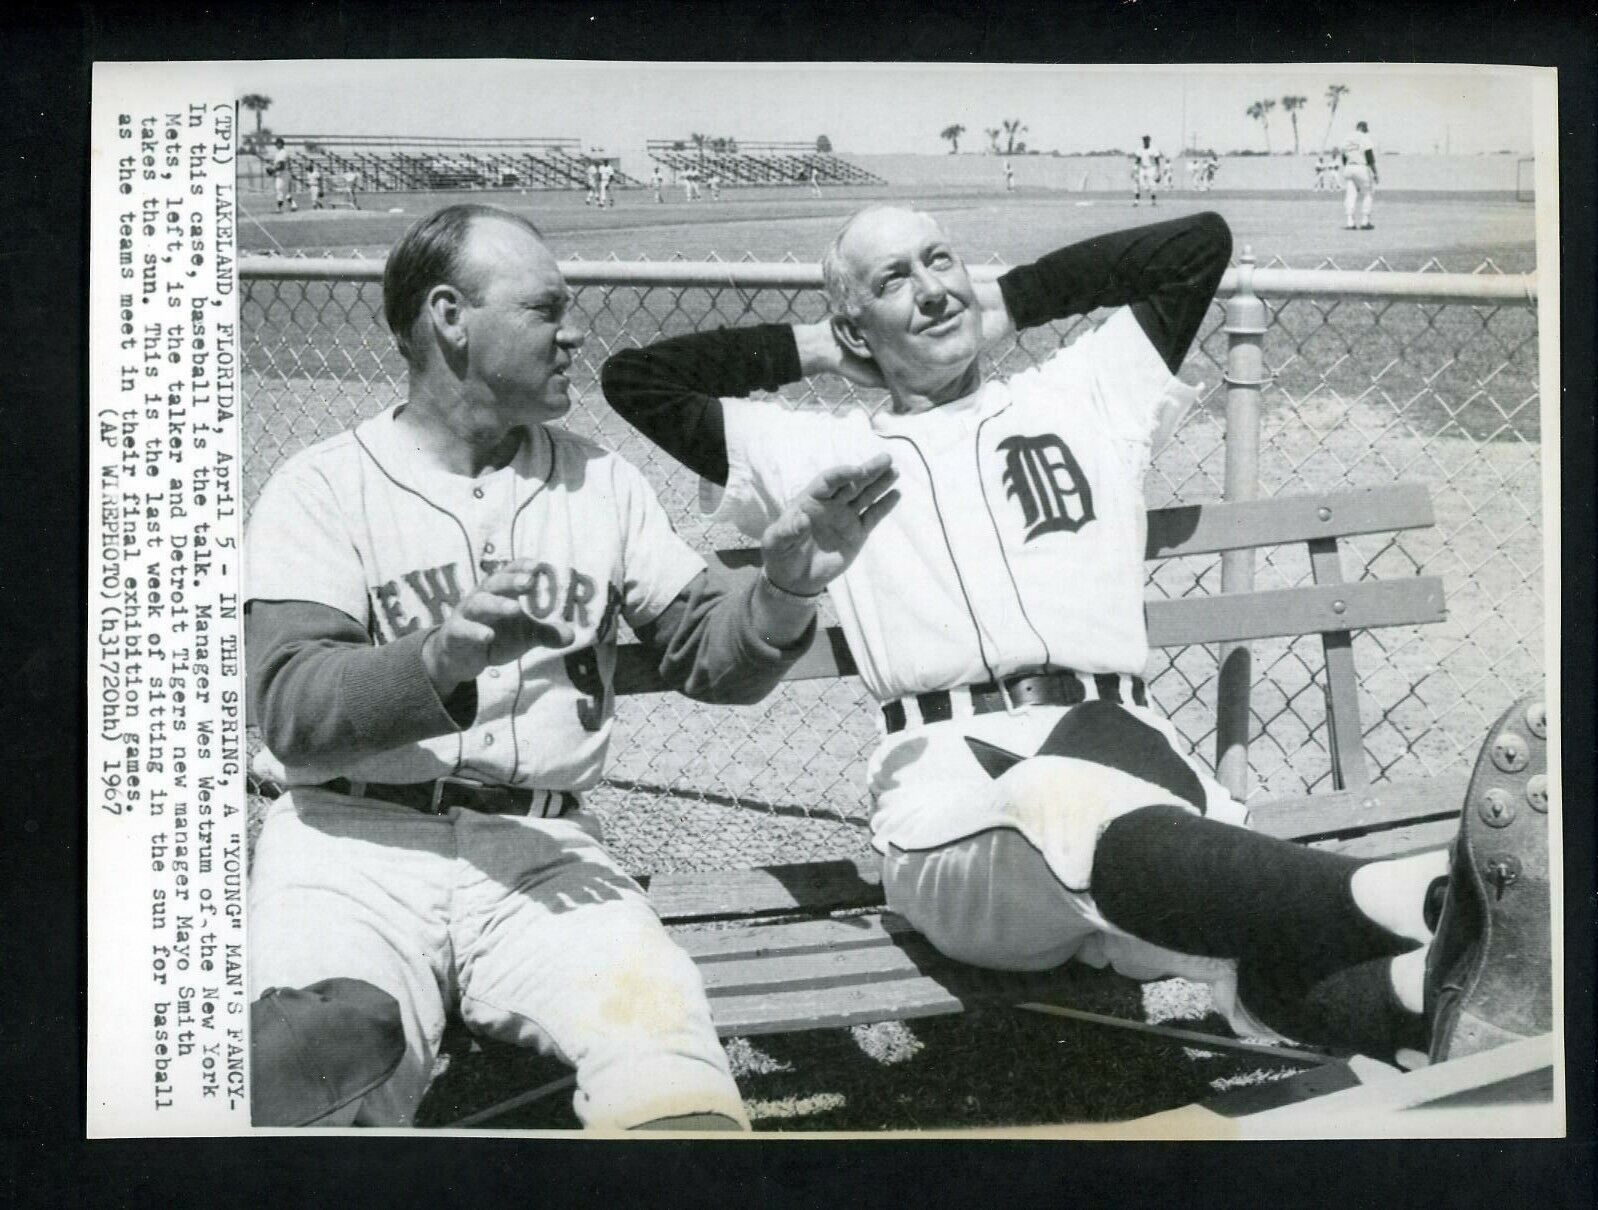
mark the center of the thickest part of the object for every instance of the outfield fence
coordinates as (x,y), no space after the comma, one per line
(1312,380)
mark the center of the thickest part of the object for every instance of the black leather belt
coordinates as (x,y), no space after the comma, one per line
(1061,687)
(438,797)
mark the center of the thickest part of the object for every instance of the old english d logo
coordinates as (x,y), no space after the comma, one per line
(1041,473)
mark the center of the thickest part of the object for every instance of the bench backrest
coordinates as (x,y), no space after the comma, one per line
(1330,607)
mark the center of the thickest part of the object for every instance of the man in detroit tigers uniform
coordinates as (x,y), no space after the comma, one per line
(1028,807)
(432,605)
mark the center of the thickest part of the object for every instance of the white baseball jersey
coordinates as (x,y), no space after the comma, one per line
(1017,545)
(1355,147)
(1018,542)
(282,162)
(1147,158)
(363,524)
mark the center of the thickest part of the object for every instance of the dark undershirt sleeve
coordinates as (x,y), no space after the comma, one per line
(671,391)
(320,690)
(1166,272)
(709,647)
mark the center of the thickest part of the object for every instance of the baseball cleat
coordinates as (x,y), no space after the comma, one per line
(1367,226)
(1488,976)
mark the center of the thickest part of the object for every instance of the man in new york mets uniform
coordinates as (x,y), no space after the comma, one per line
(1029,807)
(432,606)
(1358,154)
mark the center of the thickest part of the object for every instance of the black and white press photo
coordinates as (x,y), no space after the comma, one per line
(907,598)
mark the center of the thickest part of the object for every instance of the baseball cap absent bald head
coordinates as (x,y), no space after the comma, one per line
(318,1049)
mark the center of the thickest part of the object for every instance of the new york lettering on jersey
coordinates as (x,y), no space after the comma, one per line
(424,539)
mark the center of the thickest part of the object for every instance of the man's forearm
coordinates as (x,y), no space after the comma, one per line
(729,637)
(671,391)
(1166,272)
(320,690)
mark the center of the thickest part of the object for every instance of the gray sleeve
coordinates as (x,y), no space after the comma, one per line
(709,647)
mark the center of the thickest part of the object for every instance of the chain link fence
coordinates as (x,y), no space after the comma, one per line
(1374,377)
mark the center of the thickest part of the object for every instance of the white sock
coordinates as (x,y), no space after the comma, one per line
(1393,893)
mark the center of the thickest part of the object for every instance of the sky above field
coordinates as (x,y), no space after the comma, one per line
(884,108)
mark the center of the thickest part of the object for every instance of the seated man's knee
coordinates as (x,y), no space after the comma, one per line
(990,901)
(316,1051)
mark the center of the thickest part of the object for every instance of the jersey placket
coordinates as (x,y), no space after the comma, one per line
(490,746)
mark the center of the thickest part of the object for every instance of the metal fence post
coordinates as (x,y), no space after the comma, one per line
(1245,376)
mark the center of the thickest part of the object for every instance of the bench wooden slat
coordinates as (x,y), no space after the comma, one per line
(950,989)
(1357,812)
(1281,612)
(792,937)
(1228,617)
(904,957)
(1202,529)
(832,1008)
(1197,529)
(1345,732)
(1396,842)
(1333,820)
(722,894)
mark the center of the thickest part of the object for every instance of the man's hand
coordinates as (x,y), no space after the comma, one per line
(823,528)
(996,322)
(488,628)
(820,353)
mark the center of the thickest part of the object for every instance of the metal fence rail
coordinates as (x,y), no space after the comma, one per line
(1331,379)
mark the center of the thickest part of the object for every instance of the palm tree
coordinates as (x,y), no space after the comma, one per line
(1012,127)
(993,138)
(1291,105)
(699,141)
(1334,94)
(953,133)
(1266,105)
(257,104)
(1257,112)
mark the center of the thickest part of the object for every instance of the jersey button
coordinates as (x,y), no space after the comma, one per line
(488,548)
(488,741)
(494,672)
(477,492)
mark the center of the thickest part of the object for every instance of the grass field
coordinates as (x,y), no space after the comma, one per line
(772,224)
(1362,394)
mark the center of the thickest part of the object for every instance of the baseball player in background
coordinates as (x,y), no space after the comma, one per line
(1009,178)
(1028,805)
(815,181)
(1359,177)
(715,185)
(607,172)
(313,179)
(280,167)
(1146,161)
(591,172)
(432,601)
(658,184)
(690,184)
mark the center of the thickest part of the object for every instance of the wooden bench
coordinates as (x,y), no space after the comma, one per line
(811,946)
(794,961)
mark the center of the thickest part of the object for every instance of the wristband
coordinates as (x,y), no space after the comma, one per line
(783,594)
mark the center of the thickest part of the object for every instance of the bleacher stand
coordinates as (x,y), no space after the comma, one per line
(382,164)
(759,163)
